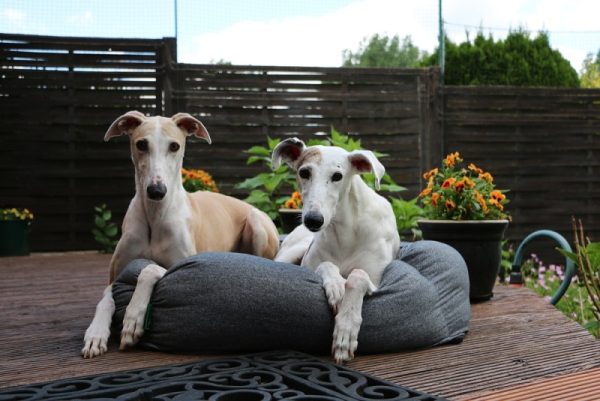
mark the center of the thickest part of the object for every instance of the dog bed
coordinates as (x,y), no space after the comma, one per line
(229,302)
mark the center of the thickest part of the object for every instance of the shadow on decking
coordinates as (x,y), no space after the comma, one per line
(47,301)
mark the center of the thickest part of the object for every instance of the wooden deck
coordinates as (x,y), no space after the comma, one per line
(518,344)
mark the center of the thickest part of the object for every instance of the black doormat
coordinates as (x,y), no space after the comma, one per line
(281,375)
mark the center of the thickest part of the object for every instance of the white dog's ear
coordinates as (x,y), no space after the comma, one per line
(125,124)
(364,161)
(288,150)
(191,126)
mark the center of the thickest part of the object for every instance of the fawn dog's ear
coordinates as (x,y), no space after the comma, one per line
(365,161)
(191,126)
(125,124)
(288,151)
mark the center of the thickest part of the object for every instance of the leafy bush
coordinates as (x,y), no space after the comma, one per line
(270,190)
(106,232)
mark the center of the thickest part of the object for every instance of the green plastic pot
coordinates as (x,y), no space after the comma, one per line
(14,237)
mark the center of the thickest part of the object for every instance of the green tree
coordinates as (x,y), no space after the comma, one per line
(382,51)
(517,60)
(590,72)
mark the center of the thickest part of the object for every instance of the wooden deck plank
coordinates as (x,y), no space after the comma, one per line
(47,300)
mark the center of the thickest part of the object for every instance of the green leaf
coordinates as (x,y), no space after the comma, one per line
(100,223)
(96,232)
(106,215)
(259,151)
(570,255)
(111,231)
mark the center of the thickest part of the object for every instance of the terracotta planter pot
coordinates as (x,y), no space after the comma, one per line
(480,244)
(290,219)
(14,237)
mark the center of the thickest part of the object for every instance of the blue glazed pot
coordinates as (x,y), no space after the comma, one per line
(480,244)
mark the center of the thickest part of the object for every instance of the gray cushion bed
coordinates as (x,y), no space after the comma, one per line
(229,302)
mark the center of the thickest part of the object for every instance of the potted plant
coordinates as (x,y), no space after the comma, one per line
(14,231)
(464,209)
(197,180)
(290,214)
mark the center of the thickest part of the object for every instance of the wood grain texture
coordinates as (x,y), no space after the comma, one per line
(516,339)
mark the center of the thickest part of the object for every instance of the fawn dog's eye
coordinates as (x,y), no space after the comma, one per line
(142,145)
(174,147)
(337,176)
(304,173)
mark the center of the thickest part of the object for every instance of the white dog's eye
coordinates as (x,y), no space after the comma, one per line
(304,173)
(142,145)
(174,147)
(337,176)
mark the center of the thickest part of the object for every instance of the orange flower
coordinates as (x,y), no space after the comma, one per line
(497,195)
(486,176)
(430,174)
(290,204)
(497,204)
(297,195)
(425,192)
(448,182)
(450,205)
(434,198)
(475,169)
(481,201)
(452,158)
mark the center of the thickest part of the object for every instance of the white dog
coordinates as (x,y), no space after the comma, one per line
(164,223)
(349,232)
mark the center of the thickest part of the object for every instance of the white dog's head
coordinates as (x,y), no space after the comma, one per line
(157,147)
(324,174)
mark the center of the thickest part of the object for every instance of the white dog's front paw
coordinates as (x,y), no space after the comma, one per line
(345,337)
(95,341)
(133,326)
(335,288)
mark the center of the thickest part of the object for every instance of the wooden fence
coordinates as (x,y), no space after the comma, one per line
(58,96)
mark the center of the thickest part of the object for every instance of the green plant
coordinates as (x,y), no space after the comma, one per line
(14,213)
(458,193)
(587,258)
(267,190)
(270,190)
(407,214)
(197,180)
(105,232)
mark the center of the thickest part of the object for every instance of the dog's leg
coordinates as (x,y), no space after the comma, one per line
(97,334)
(349,316)
(295,245)
(333,283)
(259,236)
(133,322)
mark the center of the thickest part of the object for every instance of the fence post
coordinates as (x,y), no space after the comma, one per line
(166,77)
(431,119)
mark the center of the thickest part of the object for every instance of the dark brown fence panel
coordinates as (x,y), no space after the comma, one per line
(57,98)
(242,105)
(543,144)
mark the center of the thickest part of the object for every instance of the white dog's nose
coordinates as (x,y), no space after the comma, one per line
(313,221)
(156,191)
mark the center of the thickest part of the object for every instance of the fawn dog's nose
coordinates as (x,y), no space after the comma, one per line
(156,191)
(313,221)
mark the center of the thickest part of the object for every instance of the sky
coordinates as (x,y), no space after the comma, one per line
(303,32)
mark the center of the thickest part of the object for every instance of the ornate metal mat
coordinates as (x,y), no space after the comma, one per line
(282,375)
